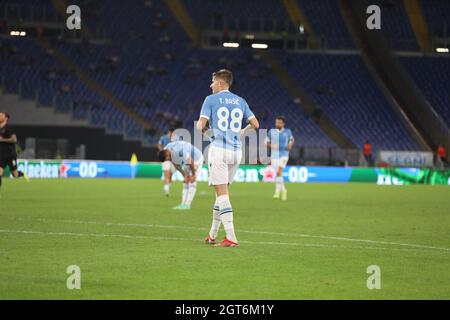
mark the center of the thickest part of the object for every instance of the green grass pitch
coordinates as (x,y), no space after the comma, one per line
(129,244)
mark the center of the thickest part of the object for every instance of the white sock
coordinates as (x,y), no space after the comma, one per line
(166,188)
(184,193)
(280,182)
(226,216)
(277,184)
(191,193)
(215,222)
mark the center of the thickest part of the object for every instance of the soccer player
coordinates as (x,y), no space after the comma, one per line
(8,155)
(187,159)
(224,111)
(167,166)
(280,141)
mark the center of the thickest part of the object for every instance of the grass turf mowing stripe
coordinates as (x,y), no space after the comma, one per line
(74,234)
(418,246)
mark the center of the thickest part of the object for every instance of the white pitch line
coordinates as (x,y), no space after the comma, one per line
(51,233)
(101,235)
(301,235)
(242,231)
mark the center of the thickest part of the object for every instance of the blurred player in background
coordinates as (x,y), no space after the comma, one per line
(187,159)
(442,154)
(367,151)
(8,155)
(167,166)
(280,141)
(224,111)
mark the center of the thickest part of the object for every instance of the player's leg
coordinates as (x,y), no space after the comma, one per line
(278,182)
(281,183)
(167,177)
(184,196)
(17,174)
(216,222)
(226,215)
(215,165)
(283,163)
(189,188)
(12,163)
(192,187)
(166,187)
(233,159)
(184,191)
(218,177)
(1,175)
(276,166)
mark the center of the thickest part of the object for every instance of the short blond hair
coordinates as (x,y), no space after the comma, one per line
(225,75)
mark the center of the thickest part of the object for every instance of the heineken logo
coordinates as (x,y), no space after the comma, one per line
(41,169)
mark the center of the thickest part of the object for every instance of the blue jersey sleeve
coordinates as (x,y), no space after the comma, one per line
(160,141)
(291,136)
(206,109)
(168,146)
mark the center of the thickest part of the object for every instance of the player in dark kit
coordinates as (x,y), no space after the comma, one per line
(8,155)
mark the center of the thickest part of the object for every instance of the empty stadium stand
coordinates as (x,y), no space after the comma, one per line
(151,66)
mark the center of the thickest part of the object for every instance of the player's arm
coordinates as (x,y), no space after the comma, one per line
(179,168)
(268,140)
(12,139)
(159,145)
(205,115)
(190,162)
(253,122)
(253,125)
(202,126)
(192,165)
(201,123)
(291,143)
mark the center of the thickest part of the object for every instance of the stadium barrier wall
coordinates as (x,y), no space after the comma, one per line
(55,169)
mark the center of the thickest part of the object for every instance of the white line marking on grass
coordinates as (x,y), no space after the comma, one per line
(300,235)
(91,235)
(101,235)
(74,234)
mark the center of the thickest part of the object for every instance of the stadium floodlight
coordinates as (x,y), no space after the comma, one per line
(259,46)
(16,33)
(301,28)
(442,50)
(231,45)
